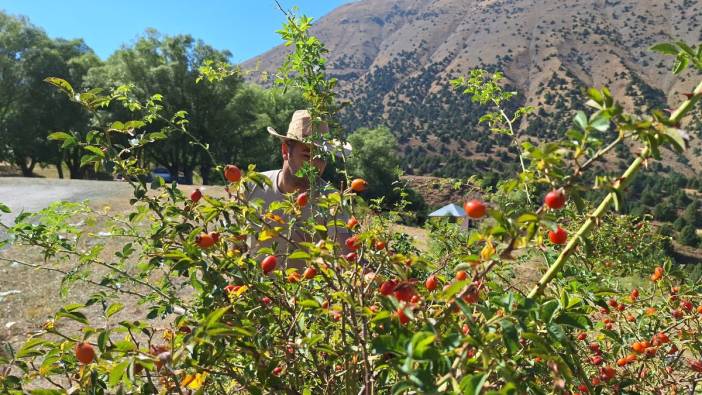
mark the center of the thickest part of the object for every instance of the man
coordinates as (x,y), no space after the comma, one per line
(297,150)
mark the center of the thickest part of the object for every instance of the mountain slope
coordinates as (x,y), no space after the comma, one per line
(395,60)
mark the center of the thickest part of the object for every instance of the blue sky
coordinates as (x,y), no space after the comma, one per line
(244,27)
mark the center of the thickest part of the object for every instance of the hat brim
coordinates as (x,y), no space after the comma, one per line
(274,133)
(327,146)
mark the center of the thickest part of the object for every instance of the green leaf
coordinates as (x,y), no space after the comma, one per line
(595,95)
(527,217)
(29,346)
(575,320)
(473,385)
(85,159)
(600,123)
(548,309)
(613,335)
(680,64)
(134,124)
(73,315)
(299,254)
(550,225)
(665,48)
(402,387)
(581,120)
(59,136)
(510,336)
(157,182)
(103,338)
(617,200)
(117,372)
(259,179)
(125,346)
(214,316)
(686,48)
(310,303)
(4,208)
(677,137)
(557,332)
(68,143)
(117,126)
(420,346)
(382,315)
(61,84)
(96,150)
(155,136)
(113,309)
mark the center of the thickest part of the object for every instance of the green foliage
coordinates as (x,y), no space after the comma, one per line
(688,236)
(692,214)
(374,158)
(169,66)
(685,55)
(29,108)
(665,212)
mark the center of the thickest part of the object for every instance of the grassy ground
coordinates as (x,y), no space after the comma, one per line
(8,170)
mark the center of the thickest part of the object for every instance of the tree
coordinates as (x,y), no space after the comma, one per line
(679,224)
(688,236)
(248,114)
(374,158)
(664,211)
(692,214)
(29,108)
(681,198)
(169,66)
(648,198)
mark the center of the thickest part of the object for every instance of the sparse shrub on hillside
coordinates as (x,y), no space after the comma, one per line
(688,236)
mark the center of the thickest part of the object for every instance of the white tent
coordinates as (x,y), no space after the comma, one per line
(449,210)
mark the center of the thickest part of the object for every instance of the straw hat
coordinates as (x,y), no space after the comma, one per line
(300,129)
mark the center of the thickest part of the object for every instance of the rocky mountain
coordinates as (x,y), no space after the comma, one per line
(395,60)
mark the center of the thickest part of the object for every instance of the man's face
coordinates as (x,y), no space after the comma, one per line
(297,154)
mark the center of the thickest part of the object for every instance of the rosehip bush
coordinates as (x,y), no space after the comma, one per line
(368,313)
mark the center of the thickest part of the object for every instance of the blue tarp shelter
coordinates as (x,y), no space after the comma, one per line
(449,210)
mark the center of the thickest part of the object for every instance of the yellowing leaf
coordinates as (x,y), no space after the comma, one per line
(521,243)
(168,335)
(194,381)
(267,234)
(487,251)
(275,217)
(240,291)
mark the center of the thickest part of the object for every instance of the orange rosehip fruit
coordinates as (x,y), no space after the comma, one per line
(85,353)
(269,263)
(475,208)
(232,173)
(359,185)
(555,199)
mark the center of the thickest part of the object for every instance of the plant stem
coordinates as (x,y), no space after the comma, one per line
(557,266)
(516,144)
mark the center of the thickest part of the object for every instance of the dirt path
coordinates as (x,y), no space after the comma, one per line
(32,194)
(29,296)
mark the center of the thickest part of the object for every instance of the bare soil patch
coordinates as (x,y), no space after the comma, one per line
(30,296)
